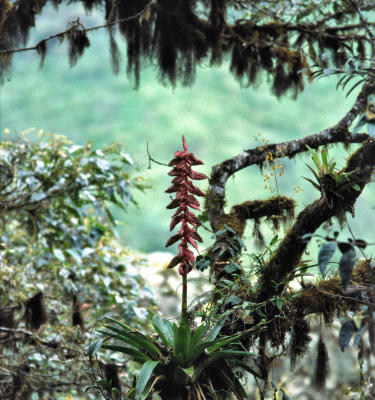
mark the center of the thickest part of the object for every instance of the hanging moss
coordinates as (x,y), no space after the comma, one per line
(300,340)
(5,6)
(218,23)
(35,312)
(77,319)
(115,54)
(89,4)
(78,42)
(41,48)
(180,34)
(133,31)
(364,272)
(281,82)
(322,365)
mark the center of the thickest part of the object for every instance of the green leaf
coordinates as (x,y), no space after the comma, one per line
(144,376)
(94,347)
(224,354)
(135,354)
(279,303)
(315,158)
(182,337)
(164,329)
(126,327)
(323,154)
(212,334)
(198,334)
(59,255)
(233,300)
(274,240)
(232,267)
(135,339)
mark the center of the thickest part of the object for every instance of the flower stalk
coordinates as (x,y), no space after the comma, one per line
(184,201)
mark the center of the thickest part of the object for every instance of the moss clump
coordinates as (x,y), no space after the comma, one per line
(364,272)
(323,298)
(300,339)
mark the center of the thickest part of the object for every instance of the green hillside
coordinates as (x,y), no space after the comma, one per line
(217,116)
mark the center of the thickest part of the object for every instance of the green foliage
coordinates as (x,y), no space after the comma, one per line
(182,361)
(330,181)
(57,241)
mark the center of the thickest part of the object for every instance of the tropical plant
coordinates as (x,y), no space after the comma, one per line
(330,182)
(184,363)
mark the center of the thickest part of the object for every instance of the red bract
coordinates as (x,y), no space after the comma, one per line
(185,193)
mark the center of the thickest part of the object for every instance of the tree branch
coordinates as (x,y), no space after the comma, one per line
(288,255)
(336,134)
(110,22)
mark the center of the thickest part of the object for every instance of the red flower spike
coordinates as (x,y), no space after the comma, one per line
(184,143)
(184,199)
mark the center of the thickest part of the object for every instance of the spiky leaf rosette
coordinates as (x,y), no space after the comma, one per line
(184,200)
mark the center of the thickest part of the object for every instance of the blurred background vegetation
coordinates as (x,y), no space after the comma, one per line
(217,116)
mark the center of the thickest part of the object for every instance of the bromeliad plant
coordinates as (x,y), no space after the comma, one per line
(329,181)
(180,362)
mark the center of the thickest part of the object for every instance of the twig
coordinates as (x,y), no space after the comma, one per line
(152,159)
(364,23)
(351,232)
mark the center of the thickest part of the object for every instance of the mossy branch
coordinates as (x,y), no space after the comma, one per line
(288,255)
(338,133)
(328,297)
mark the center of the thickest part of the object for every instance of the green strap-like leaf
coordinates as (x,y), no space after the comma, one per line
(134,339)
(126,327)
(323,154)
(164,329)
(315,158)
(144,377)
(215,330)
(94,347)
(198,334)
(226,354)
(137,355)
(181,343)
